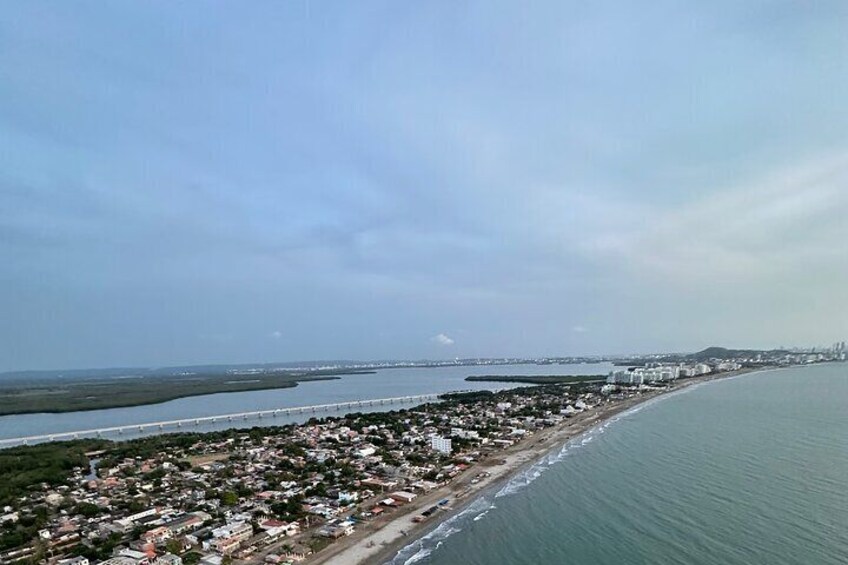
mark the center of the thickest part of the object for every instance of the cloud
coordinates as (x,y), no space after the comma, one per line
(407,197)
(782,222)
(442,339)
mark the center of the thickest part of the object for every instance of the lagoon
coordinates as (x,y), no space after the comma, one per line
(384,383)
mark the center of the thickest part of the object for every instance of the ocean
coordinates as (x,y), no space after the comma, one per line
(746,470)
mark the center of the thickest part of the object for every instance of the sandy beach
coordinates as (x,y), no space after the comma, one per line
(379,540)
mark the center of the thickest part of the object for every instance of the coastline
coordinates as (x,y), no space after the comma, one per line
(379,541)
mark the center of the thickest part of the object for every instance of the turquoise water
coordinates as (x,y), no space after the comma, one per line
(742,471)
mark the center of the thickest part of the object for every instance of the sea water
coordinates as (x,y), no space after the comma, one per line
(746,470)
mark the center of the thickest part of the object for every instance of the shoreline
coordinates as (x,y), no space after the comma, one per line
(379,541)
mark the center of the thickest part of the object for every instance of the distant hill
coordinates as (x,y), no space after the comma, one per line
(725,353)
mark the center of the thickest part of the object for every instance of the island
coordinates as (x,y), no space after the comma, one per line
(56,394)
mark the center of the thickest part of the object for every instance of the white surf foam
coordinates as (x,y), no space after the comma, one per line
(423,547)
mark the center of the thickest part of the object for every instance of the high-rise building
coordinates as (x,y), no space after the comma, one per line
(441,444)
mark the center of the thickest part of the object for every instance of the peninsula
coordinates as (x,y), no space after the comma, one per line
(349,489)
(346,489)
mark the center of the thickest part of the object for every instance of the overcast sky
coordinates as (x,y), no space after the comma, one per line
(193,182)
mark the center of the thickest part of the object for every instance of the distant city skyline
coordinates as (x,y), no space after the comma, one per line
(289,182)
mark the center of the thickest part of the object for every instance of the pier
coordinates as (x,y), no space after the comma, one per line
(188,423)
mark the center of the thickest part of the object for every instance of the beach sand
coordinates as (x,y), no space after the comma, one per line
(379,540)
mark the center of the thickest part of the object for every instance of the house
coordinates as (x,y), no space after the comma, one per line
(226,539)
(336,531)
(403,496)
(137,557)
(119,561)
(187,522)
(73,561)
(157,536)
(348,497)
(366,452)
(168,559)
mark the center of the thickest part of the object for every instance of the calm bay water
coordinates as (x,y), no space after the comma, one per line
(749,470)
(386,383)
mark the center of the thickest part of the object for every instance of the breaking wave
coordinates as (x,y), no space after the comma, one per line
(423,547)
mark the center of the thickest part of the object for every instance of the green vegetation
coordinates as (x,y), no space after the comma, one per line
(25,468)
(14,535)
(191,558)
(63,395)
(290,510)
(725,353)
(317,544)
(173,546)
(537,379)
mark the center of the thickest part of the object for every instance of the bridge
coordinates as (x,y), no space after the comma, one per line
(225,418)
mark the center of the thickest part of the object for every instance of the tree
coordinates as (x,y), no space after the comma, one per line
(229,498)
(243,491)
(174,546)
(87,509)
(191,558)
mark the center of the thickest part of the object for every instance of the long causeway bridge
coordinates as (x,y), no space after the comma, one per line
(224,418)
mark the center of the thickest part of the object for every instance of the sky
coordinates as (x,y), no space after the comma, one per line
(223,182)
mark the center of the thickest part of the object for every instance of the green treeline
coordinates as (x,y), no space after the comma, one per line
(61,395)
(25,468)
(536,379)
